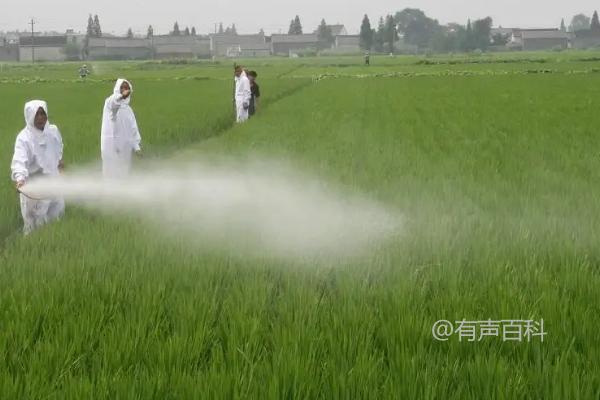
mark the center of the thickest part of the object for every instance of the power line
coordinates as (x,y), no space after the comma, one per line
(32,23)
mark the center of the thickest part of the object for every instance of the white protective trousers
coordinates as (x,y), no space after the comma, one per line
(37,155)
(242,97)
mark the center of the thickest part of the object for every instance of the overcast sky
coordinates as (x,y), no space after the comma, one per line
(273,15)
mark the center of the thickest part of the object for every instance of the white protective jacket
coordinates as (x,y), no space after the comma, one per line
(37,154)
(243,95)
(120,135)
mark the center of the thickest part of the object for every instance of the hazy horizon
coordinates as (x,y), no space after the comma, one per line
(274,16)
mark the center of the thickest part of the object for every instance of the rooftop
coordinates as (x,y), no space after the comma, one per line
(308,38)
(43,40)
(544,34)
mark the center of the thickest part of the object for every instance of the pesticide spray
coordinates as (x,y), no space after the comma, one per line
(254,209)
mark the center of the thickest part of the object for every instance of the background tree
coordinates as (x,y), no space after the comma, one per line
(295,26)
(325,35)
(90,27)
(221,30)
(458,37)
(233,29)
(176,31)
(150,32)
(97,28)
(482,31)
(298,25)
(441,42)
(193,31)
(186,31)
(563,27)
(416,27)
(391,33)
(129,33)
(366,34)
(89,34)
(500,40)
(595,25)
(379,39)
(467,42)
(580,22)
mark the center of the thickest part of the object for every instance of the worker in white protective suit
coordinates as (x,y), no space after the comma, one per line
(120,136)
(242,95)
(38,154)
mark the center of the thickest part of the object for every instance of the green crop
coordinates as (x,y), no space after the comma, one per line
(496,176)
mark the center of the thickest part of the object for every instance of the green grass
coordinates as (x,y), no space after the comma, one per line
(495,175)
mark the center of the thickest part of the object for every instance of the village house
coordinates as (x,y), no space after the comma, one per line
(534,40)
(347,44)
(288,45)
(43,48)
(164,47)
(9,51)
(539,39)
(118,48)
(229,45)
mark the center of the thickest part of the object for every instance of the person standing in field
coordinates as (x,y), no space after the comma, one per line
(242,94)
(84,72)
(120,136)
(367,58)
(254,93)
(38,154)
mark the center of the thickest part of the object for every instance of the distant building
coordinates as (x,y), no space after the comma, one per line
(118,48)
(347,44)
(43,48)
(8,51)
(290,44)
(228,45)
(533,40)
(538,39)
(180,46)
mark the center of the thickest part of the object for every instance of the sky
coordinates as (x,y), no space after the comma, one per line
(116,16)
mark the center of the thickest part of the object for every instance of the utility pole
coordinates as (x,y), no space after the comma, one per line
(32,23)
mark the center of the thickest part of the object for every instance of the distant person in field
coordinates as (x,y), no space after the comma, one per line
(242,95)
(120,136)
(38,154)
(254,93)
(367,58)
(84,72)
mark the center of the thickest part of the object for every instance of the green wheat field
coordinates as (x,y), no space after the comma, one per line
(493,161)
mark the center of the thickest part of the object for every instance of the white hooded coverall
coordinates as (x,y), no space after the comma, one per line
(37,154)
(120,135)
(242,97)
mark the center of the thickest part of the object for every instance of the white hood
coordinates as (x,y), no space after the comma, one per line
(31,109)
(117,89)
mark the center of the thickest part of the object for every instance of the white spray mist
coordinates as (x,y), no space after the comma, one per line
(253,209)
